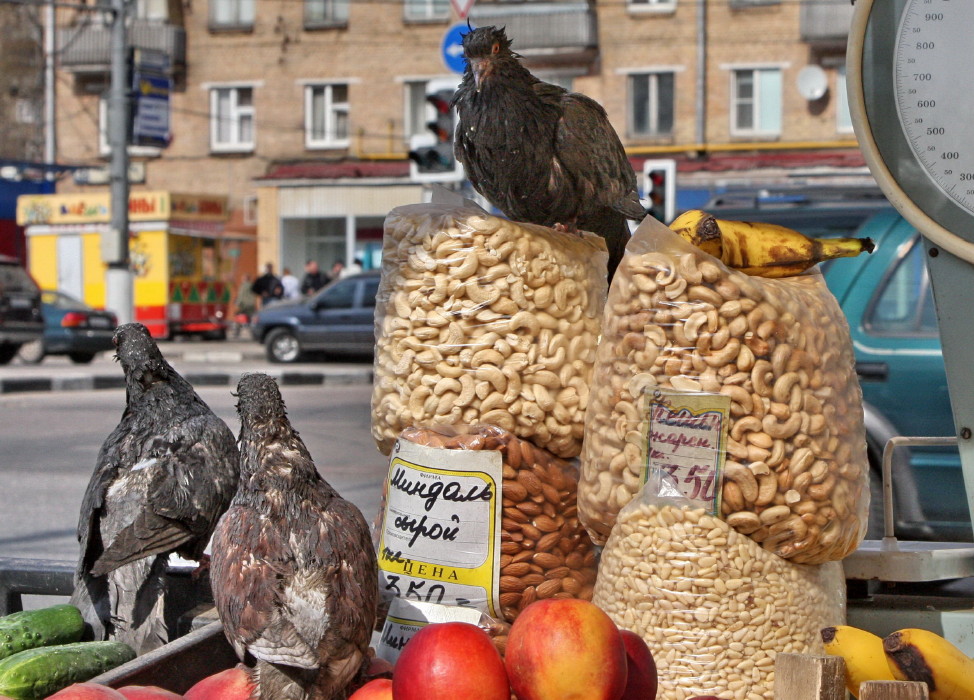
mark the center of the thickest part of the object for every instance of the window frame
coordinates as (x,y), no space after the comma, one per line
(105,149)
(237,23)
(756,99)
(913,246)
(237,145)
(651,6)
(429,14)
(330,19)
(331,108)
(653,109)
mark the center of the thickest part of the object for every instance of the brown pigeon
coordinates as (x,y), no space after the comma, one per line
(293,569)
(539,153)
(163,478)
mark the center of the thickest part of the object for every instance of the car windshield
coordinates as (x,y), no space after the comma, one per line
(62,301)
(14,278)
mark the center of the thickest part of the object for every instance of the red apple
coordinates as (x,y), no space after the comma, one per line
(560,649)
(641,682)
(233,684)
(87,691)
(379,689)
(449,660)
(148,692)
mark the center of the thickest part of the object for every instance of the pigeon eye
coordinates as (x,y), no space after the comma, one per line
(495,48)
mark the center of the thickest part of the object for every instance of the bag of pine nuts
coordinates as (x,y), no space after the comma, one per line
(484,320)
(741,389)
(714,607)
(474,516)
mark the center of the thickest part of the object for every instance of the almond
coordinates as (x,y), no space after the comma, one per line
(510,548)
(548,542)
(511,584)
(549,588)
(509,472)
(529,508)
(527,453)
(546,523)
(514,490)
(557,572)
(512,455)
(529,596)
(572,561)
(518,569)
(522,555)
(551,494)
(570,585)
(505,560)
(530,480)
(510,599)
(530,531)
(532,580)
(515,514)
(510,525)
(547,560)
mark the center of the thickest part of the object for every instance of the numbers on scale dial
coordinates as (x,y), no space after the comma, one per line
(934,87)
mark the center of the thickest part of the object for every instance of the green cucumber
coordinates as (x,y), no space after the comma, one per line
(36,673)
(58,624)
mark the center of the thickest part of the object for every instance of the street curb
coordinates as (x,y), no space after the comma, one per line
(23,385)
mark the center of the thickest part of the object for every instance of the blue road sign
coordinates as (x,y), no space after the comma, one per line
(453,47)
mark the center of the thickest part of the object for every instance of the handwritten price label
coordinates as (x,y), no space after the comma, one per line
(441,527)
(685,446)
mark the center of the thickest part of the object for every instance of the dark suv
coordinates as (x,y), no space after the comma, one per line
(21,320)
(339,319)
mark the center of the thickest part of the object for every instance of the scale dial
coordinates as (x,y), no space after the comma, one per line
(934,92)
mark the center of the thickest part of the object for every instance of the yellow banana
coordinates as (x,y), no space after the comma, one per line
(919,655)
(764,250)
(862,652)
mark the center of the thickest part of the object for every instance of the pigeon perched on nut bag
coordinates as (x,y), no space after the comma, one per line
(294,572)
(162,479)
(539,153)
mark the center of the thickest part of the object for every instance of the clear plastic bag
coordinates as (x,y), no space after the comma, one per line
(791,469)
(712,605)
(483,320)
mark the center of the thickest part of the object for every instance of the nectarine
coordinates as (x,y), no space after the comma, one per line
(379,689)
(87,691)
(148,692)
(232,684)
(565,649)
(641,683)
(450,660)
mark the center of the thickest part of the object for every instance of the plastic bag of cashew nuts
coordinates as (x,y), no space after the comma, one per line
(483,320)
(742,389)
(714,607)
(475,516)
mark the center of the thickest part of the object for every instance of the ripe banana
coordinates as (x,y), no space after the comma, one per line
(919,655)
(764,250)
(863,654)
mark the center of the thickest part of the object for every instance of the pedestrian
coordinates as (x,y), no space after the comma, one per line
(354,268)
(290,285)
(267,285)
(244,305)
(337,270)
(314,278)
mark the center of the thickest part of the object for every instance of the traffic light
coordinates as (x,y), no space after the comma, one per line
(659,188)
(431,154)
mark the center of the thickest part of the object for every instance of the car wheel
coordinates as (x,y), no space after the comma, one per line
(81,358)
(7,353)
(282,346)
(31,353)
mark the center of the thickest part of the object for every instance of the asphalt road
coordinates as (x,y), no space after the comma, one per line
(49,442)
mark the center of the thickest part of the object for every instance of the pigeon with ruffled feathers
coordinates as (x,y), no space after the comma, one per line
(163,478)
(294,572)
(539,153)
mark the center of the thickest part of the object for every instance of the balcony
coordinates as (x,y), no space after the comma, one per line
(826,21)
(563,32)
(86,49)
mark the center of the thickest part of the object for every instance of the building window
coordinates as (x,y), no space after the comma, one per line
(231,14)
(652,5)
(105,150)
(416,116)
(232,119)
(325,13)
(843,118)
(756,108)
(651,104)
(326,116)
(427,9)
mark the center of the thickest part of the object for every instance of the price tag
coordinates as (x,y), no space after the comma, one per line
(686,441)
(440,538)
(407,617)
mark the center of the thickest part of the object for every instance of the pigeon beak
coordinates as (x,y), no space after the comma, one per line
(482,68)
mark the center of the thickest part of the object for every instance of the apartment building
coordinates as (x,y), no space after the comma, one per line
(301,112)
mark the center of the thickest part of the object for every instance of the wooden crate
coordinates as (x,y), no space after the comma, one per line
(805,677)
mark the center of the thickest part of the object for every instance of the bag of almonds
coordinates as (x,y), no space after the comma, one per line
(741,389)
(714,607)
(484,320)
(477,517)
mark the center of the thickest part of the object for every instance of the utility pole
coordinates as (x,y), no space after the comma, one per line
(50,48)
(115,242)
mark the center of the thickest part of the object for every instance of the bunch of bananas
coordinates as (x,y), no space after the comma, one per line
(764,250)
(906,655)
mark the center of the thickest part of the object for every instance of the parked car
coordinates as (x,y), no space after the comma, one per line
(71,328)
(887,299)
(21,319)
(339,319)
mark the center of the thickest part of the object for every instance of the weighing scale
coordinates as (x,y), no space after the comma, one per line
(911,95)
